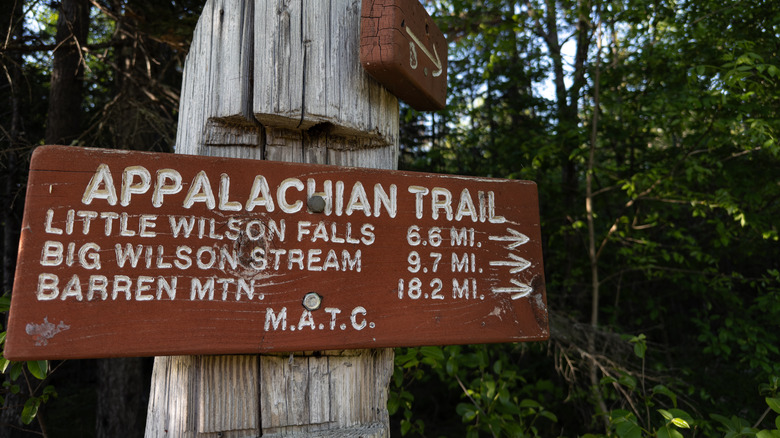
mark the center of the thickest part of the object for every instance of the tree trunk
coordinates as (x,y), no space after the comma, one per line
(67,76)
(121,398)
(279,80)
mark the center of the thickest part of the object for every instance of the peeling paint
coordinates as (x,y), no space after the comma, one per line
(41,333)
(540,302)
(496,312)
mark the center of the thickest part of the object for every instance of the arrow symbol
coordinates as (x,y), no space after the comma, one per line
(516,237)
(520,290)
(518,264)
(436,62)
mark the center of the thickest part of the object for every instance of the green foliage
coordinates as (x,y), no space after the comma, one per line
(38,369)
(733,426)
(684,125)
(487,391)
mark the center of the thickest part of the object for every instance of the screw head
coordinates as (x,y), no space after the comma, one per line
(316,204)
(312,301)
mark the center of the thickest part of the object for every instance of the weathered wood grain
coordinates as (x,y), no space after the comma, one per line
(304,59)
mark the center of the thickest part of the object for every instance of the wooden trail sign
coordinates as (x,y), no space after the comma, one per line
(403,49)
(133,254)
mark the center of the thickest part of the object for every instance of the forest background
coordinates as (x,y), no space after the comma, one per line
(650,126)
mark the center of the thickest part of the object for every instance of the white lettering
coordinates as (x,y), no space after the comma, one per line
(146,224)
(47,287)
(466,207)
(260,195)
(129,187)
(359,310)
(87,216)
(52,253)
(161,188)
(224,194)
(72,289)
(181,226)
(99,284)
(275,321)
(183,260)
(333,312)
(419,193)
(199,290)
(441,199)
(492,218)
(102,177)
(49,228)
(281,195)
(143,286)
(306,320)
(381,198)
(358,200)
(200,191)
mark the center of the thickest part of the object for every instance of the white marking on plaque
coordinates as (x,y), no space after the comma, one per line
(519,290)
(41,333)
(517,263)
(436,62)
(517,238)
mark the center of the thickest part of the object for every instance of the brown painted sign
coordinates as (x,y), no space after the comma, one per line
(403,49)
(133,254)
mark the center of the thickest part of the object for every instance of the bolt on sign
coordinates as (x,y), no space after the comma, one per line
(404,50)
(130,254)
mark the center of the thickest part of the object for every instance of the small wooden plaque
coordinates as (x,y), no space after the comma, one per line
(135,254)
(403,49)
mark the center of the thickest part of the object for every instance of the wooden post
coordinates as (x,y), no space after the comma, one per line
(279,80)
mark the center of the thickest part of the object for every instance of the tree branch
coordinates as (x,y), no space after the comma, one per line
(26,48)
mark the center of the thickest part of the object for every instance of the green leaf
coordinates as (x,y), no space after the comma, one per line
(679,413)
(466,411)
(640,345)
(452,366)
(552,417)
(528,403)
(628,429)
(16,371)
(668,432)
(393,403)
(405,426)
(639,350)
(661,389)
(5,303)
(606,380)
(679,422)
(774,403)
(668,415)
(490,387)
(38,368)
(628,381)
(30,409)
